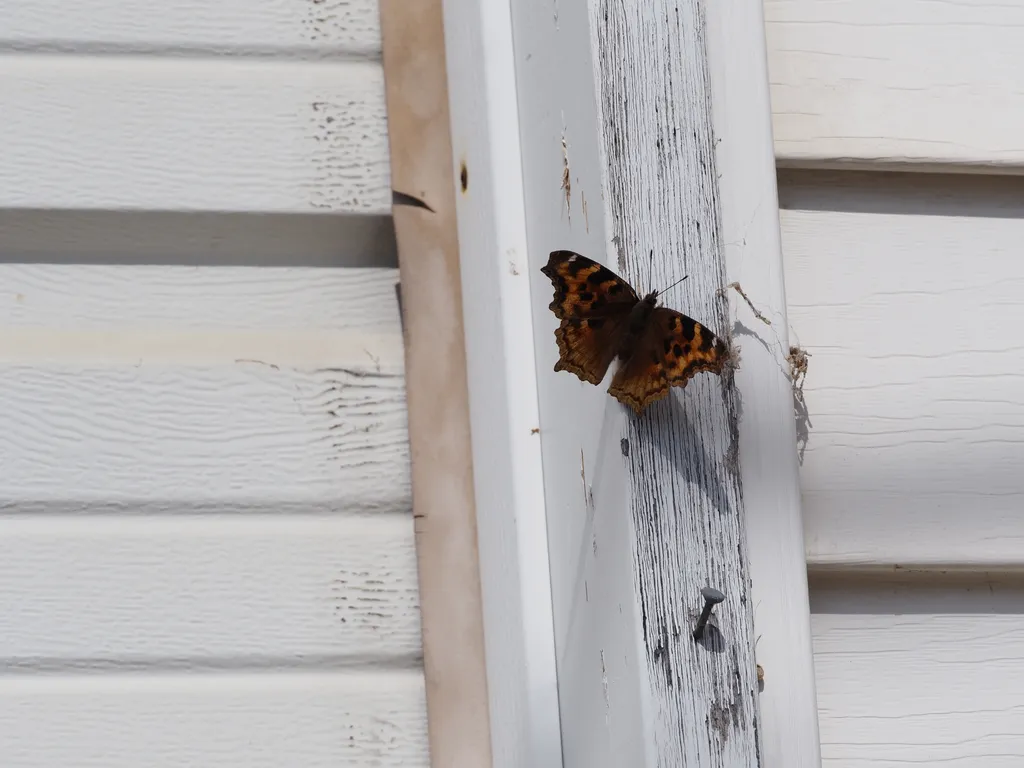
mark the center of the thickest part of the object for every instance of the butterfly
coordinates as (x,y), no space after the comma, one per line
(603,318)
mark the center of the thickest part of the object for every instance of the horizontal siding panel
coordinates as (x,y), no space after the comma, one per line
(157,298)
(154,437)
(137,133)
(226,26)
(317,720)
(178,389)
(114,593)
(927,82)
(905,289)
(921,670)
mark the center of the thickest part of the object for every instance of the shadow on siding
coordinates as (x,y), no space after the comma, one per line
(895,193)
(200,239)
(905,592)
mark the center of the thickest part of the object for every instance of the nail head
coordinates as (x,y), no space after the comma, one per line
(712,595)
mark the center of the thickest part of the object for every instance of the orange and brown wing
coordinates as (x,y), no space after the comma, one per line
(586,346)
(671,351)
(584,288)
(593,304)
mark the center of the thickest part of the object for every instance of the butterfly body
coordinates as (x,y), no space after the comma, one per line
(639,317)
(603,319)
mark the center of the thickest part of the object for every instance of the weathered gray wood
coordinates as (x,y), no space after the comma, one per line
(662,193)
(615,99)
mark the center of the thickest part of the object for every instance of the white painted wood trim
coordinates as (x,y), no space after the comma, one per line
(440,439)
(618,158)
(767,428)
(507,469)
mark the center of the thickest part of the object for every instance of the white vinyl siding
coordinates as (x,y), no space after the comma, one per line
(206,527)
(897,136)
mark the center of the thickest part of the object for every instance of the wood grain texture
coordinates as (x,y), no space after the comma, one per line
(204,473)
(768,461)
(111,594)
(642,512)
(922,82)
(281,28)
(77,297)
(241,720)
(919,670)
(283,388)
(905,290)
(177,438)
(182,135)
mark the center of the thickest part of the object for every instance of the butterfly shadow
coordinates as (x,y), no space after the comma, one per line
(670,429)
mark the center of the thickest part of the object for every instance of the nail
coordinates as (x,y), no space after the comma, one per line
(401,314)
(712,597)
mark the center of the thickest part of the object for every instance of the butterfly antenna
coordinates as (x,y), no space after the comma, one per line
(677,282)
(650,269)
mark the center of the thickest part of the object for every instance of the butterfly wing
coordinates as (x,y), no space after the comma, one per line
(584,288)
(593,304)
(672,350)
(586,347)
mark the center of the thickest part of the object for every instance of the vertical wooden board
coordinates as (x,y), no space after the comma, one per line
(599,678)
(507,465)
(618,153)
(419,135)
(654,100)
(767,426)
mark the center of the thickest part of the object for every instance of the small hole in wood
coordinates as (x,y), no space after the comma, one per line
(464,177)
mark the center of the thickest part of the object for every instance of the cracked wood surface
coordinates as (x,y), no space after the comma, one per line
(619,160)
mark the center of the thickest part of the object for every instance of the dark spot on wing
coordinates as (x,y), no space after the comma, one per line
(689,327)
(677,351)
(616,289)
(707,340)
(586,296)
(668,346)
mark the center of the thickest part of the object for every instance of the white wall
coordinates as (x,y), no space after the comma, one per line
(905,289)
(207,546)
